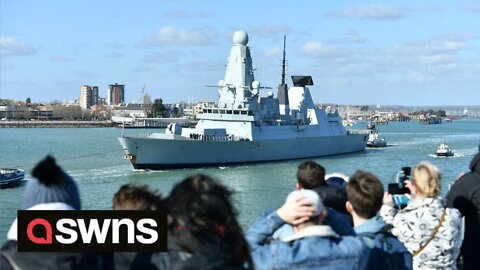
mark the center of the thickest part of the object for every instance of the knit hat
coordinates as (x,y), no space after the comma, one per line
(336,179)
(51,184)
(311,196)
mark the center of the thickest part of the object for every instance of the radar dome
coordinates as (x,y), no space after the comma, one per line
(255,84)
(240,37)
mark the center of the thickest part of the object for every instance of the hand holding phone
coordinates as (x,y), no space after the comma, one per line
(400,199)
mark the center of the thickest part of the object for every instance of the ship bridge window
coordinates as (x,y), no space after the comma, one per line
(229,111)
(236,112)
(209,110)
(250,113)
(243,112)
(222,111)
(204,110)
(215,111)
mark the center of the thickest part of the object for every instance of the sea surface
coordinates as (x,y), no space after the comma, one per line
(94,158)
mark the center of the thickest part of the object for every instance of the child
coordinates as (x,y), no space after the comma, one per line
(134,197)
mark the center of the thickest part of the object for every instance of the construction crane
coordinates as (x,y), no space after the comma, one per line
(140,101)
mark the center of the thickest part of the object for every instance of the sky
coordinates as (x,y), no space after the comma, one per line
(358,52)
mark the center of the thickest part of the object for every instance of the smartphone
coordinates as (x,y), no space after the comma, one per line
(400,199)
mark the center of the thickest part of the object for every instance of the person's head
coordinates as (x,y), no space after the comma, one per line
(314,199)
(310,175)
(203,206)
(135,197)
(364,194)
(426,180)
(50,184)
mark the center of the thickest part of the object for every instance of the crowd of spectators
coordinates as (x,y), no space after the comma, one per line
(326,222)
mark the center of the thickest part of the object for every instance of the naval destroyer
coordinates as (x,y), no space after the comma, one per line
(246,127)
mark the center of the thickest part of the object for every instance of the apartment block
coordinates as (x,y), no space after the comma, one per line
(88,96)
(116,94)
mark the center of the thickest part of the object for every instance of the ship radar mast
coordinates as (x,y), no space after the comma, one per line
(282,93)
(283,60)
(237,87)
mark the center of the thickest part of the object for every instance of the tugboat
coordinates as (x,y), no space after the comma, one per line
(11,177)
(444,151)
(245,127)
(373,139)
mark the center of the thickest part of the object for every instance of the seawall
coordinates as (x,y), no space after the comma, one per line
(56,124)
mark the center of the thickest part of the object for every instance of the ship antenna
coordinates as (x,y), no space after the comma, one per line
(282,93)
(283,60)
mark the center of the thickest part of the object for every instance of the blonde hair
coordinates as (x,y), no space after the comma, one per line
(426,179)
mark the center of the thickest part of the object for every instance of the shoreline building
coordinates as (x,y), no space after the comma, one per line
(116,94)
(88,96)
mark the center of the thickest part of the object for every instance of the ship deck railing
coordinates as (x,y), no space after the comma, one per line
(358,132)
(201,137)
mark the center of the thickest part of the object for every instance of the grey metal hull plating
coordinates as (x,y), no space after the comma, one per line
(151,153)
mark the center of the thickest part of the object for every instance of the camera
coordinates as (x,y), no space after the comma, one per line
(398,189)
(399,186)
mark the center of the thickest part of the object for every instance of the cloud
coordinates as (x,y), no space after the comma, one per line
(60,59)
(114,55)
(273,51)
(439,59)
(267,30)
(207,66)
(474,7)
(5,66)
(171,36)
(318,49)
(442,59)
(186,14)
(85,73)
(420,77)
(434,45)
(10,47)
(351,36)
(371,11)
(114,45)
(144,69)
(162,57)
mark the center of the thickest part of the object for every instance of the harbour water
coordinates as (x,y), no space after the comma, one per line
(94,158)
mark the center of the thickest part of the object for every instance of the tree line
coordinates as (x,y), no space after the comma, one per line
(440,113)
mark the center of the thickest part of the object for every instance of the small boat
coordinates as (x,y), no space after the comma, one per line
(444,151)
(373,139)
(11,177)
(348,122)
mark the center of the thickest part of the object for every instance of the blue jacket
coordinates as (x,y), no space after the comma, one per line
(387,252)
(315,247)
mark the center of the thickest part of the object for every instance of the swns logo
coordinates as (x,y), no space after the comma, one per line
(92,231)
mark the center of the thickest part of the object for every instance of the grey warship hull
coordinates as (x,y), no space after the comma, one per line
(156,154)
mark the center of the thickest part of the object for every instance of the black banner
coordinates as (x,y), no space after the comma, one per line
(92,231)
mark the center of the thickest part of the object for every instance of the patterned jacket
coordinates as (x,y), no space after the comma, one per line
(414,225)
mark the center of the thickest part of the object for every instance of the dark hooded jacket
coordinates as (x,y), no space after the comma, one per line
(186,252)
(465,196)
(11,259)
